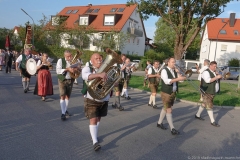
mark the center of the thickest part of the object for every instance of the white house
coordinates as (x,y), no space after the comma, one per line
(221,40)
(106,18)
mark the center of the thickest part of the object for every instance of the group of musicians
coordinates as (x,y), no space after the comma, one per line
(96,108)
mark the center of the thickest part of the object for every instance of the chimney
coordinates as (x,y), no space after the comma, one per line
(89,4)
(232,19)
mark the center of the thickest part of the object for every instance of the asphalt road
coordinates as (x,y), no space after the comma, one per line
(31,129)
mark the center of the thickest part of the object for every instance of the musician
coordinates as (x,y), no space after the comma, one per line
(44,84)
(8,61)
(210,86)
(153,75)
(21,62)
(127,75)
(149,65)
(169,80)
(95,108)
(200,71)
(65,82)
(119,88)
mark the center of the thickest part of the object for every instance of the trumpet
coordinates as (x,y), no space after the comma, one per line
(187,73)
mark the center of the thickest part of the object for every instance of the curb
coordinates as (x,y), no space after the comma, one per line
(189,102)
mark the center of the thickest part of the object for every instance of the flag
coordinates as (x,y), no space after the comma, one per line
(7,44)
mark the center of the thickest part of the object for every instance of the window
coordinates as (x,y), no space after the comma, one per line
(121,9)
(89,10)
(74,11)
(113,10)
(235,32)
(69,11)
(223,47)
(83,21)
(109,20)
(55,20)
(223,31)
(95,10)
(238,48)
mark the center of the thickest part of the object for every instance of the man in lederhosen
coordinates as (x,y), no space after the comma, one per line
(169,81)
(127,75)
(153,75)
(22,59)
(209,86)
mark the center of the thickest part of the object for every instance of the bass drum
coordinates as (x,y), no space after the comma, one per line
(31,66)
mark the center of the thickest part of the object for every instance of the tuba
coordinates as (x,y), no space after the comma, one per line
(99,89)
(76,73)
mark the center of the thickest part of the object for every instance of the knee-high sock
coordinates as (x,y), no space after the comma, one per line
(123,91)
(93,132)
(210,113)
(63,106)
(199,111)
(66,102)
(24,84)
(126,92)
(27,85)
(162,115)
(169,119)
(117,100)
(150,100)
(153,99)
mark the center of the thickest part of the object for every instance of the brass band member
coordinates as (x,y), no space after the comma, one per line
(94,108)
(149,65)
(44,84)
(127,75)
(65,82)
(22,60)
(153,83)
(169,88)
(210,86)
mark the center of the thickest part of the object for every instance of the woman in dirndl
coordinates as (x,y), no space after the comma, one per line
(44,84)
(2,55)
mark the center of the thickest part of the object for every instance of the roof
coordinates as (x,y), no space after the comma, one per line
(214,26)
(97,23)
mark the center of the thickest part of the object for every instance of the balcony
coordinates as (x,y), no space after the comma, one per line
(134,31)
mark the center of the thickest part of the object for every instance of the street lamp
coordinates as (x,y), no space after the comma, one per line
(32,27)
(217,38)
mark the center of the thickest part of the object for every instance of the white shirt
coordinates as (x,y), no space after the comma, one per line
(61,70)
(19,59)
(148,66)
(206,77)
(166,80)
(85,74)
(150,70)
(201,71)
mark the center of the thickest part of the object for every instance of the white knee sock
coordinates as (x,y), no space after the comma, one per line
(150,100)
(93,132)
(126,92)
(63,106)
(123,92)
(97,127)
(199,111)
(162,115)
(169,119)
(153,99)
(66,101)
(210,113)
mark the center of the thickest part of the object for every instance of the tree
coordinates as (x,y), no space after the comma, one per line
(179,14)
(234,62)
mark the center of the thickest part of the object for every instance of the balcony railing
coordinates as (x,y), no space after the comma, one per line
(134,31)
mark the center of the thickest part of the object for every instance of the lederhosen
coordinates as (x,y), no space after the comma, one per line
(209,89)
(23,69)
(153,82)
(127,76)
(167,94)
(120,83)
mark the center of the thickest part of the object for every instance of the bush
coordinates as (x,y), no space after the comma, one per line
(234,62)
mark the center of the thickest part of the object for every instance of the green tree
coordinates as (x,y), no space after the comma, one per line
(184,16)
(234,62)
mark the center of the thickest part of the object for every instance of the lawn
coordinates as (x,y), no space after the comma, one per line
(227,96)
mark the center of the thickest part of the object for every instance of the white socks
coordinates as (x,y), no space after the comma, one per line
(169,119)
(63,106)
(124,91)
(153,99)
(210,113)
(199,111)
(162,115)
(93,131)
(150,100)
(66,101)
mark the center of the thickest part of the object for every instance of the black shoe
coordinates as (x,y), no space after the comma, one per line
(150,105)
(96,146)
(68,114)
(215,124)
(115,106)
(127,97)
(175,132)
(161,126)
(25,90)
(200,118)
(28,89)
(120,108)
(155,106)
(63,117)
(122,96)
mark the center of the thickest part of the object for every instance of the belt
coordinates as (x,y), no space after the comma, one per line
(67,79)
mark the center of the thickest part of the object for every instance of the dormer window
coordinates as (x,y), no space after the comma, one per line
(223,31)
(95,10)
(74,11)
(121,9)
(69,11)
(236,32)
(89,10)
(83,21)
(109,20)
(56,20)
(113,10)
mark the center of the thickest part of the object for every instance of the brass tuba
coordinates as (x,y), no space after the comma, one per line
(76,73)
(99,89)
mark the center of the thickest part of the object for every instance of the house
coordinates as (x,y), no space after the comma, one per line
(149,45)
(105,18)
(221,40)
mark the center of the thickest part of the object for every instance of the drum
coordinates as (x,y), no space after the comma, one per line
(31,66)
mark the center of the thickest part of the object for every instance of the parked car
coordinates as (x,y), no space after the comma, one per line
(234,71)
(194,69)
(136,62)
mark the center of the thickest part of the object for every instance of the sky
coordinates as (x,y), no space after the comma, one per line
(12,15)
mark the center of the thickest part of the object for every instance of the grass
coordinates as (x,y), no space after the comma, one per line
(227,96)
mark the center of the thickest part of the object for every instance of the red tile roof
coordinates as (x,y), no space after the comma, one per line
(97,23)
(215,25)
